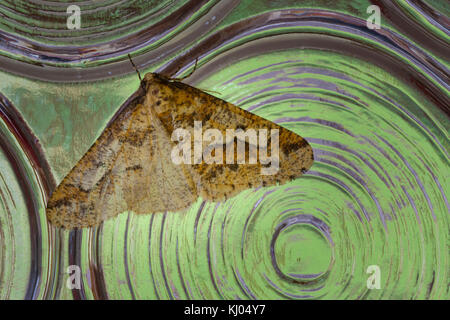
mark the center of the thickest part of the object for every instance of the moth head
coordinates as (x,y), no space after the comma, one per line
(156,91)
(154,77)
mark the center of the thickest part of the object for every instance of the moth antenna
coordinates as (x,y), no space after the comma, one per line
(137,71)
(210,91)
(188,75)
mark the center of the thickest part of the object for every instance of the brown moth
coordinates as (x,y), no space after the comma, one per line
(130,166)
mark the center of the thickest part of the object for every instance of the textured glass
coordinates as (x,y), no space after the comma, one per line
(373,104)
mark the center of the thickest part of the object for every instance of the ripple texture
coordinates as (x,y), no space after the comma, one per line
(373,104)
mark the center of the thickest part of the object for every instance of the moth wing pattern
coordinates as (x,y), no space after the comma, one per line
(125,169)
(178,105)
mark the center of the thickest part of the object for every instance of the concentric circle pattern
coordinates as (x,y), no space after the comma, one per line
(373,104)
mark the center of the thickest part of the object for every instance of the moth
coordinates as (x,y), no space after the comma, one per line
(130,166)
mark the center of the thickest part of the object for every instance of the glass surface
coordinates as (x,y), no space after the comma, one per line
(373,104)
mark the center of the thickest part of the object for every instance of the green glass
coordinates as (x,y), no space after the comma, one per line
(377,194)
